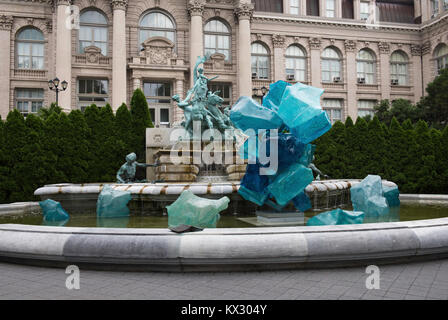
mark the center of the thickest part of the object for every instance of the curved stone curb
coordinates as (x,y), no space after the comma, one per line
(19,208)
(225,249)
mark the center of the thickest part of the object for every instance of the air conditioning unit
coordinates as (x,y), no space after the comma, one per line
(336,79)
(290,77)
(361,80)
(254,75)
(394,82)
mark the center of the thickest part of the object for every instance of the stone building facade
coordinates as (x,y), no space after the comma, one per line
(359,51)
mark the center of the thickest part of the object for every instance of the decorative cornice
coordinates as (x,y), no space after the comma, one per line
(119,4)
(196,7)
(384,47)
(6,22)
(314,43)
(426,48)
(349,45)
(416,50)
(244,11)
(278,41)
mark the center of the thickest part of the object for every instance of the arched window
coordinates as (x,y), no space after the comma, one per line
(93,31)
(295,63)
(260,61)
(216,38)
(157,24)
(30,49)
(441,56)
(331,65)
(365,65)
(399,68)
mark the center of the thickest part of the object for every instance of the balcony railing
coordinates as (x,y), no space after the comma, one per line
(30,73)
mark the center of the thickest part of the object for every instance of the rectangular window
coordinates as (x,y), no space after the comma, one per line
(225,92)
(158,95)
(92,91)
(294,7)
(445,5)
(29,100)
(347,9)
(434,8)
(333,108)
(312,8)
(365,108)
(364,10)
(330,8)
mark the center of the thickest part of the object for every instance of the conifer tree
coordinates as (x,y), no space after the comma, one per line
(397,156)
(141,119)
(54,150)
(376,148)
(79,134)
(426,172)
(3,167)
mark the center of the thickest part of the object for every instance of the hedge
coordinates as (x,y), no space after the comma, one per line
(80,147)
(413,156)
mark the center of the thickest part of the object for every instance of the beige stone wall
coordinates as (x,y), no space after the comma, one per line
(276,31)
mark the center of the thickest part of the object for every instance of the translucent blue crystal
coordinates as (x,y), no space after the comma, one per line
(367,196)
(290,182)
(301,111)
(253,185)
(275,95)
(53,211)
(248,114)
(336,217)
(392,196)
(302,202)
(113,203)
(192,210)
(307,155)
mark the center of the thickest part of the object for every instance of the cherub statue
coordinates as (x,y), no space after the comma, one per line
(126,174)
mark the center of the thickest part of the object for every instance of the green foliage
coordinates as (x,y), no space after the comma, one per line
(434,106)
(140,120)
(53,147)
(401,109)
(414,157)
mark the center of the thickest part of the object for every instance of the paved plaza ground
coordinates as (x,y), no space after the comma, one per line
(423,280)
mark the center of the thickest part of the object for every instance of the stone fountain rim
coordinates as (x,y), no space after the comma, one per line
(228,249)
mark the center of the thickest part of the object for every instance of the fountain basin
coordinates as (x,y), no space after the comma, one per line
(152,198)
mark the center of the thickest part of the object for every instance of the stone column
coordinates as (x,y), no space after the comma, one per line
(196,9)
(5,59)
(64,53)
(303,7)
(356,12)
(351,81)
(244,13)
(338,8)
(425,10)
(119,60)
(322,8)
(315,53)
(416,51)
(178,112)
(383,77)
(279,57)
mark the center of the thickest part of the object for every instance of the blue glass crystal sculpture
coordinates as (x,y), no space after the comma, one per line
(248,114)
(290,182)
(53,211)
(253,185)
(113,203)
(302,202)
(367,196)
(300,110)
(192,210)
(336,217)
(392,196)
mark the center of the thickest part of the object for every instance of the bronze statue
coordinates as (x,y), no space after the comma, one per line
(126,174)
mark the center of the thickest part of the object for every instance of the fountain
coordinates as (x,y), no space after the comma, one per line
(177,157)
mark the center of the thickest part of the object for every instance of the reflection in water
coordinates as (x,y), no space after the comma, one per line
(392,216)
(119,222)
(61,223)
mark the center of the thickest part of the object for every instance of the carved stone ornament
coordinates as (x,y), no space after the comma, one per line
(314,43)
(218,60)
(159,50)
(416,50)
(49,25)
(384,47)
(244,10)
(119,4)
(350,45)
(196,7)
(6,22)
(92,54)
(426,48)
(278,41)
